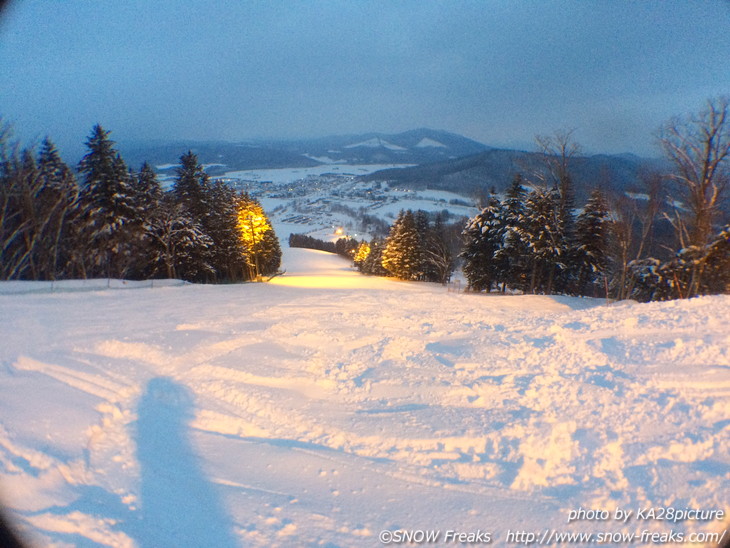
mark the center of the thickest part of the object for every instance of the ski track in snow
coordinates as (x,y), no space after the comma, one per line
(323,407)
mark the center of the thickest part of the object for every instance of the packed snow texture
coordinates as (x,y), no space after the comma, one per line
(324,406)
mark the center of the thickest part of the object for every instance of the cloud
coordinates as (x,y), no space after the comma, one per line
(498,72)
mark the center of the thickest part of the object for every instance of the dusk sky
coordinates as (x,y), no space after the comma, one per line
(498,72)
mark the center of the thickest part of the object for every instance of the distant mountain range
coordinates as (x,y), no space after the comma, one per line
(495,169)
(420,146)
(442,160)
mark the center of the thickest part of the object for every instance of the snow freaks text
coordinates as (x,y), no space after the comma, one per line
(652,529)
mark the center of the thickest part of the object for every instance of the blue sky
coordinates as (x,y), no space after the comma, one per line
(498,72)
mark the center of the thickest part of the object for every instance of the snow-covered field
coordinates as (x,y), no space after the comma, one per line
(289,174)
(324,407)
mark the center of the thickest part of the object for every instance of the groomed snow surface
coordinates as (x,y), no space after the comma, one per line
(324,406)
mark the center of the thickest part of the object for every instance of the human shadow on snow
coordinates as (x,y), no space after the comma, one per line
(179,505)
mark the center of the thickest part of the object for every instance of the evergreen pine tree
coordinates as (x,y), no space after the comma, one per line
(179,247)
(193,190)
(423,229)
(566,275)
(484,236)
(592,246)
(513,256)
(58,195)
(192,186)
(402,255)
(147,199)
(373,262)
(148,191)
(261,247)
(539,229)
(54,171)
(109,226)
(361,254)
(269,251)
(221,224)
(346,247)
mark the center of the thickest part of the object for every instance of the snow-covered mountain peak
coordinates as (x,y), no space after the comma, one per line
(376,142)
(430,143)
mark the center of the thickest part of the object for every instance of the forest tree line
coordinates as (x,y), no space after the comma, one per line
(106,220)
(342,246)
(532,240)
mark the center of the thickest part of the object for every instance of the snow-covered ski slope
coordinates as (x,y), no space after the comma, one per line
(324,407)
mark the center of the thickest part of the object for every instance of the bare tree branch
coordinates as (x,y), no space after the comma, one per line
(699,148)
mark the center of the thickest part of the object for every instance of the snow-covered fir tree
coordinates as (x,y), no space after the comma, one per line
(192,186)
(566,274)
(179,247)
(513,255)
(261,248)
(213,207)
(147,198)
(346,247)
(540,230)
(269,251)
(415,249)
(147,189)
(483,238)
(402,255)
(423,229)
(361,253)
(221,224)
(109,220)
(591,256)
(372,262)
